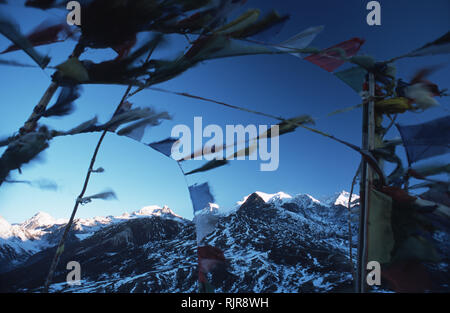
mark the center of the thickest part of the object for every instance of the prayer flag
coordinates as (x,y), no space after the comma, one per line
(332,58)
(426,140)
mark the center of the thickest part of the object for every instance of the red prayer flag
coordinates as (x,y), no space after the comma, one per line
(44,35)
(409,277)
(208,259)
(330,59)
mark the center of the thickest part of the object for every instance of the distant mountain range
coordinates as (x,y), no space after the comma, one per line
(272,243)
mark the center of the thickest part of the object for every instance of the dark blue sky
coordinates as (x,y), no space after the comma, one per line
(283,85)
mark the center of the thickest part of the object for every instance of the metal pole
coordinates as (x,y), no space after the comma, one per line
(362,204)
(368,143)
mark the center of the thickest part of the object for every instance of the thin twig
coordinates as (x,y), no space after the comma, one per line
(60,247)
(349,207)
(185,94)
(31,123)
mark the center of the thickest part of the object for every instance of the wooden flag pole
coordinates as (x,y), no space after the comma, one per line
(368,143)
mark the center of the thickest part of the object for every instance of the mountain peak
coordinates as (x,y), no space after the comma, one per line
(148,210)
(154,210)
(212,208)
(267,197)
(306,200)
(38,220)
(340,198)
(5,228)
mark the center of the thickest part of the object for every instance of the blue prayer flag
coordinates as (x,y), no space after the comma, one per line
(201,196)
(164,146)
(426,140)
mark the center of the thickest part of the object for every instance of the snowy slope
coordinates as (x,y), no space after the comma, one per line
(272,243)
(20,241)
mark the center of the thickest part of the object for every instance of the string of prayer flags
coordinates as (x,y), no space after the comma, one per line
(205,223)
(380,234)
(332,58)
(64,104)
(240,23)
(136,130)
(71,72)
(125,106)
(44,35)
(209,166)
(85,127)
(138,120)
(267,28)
(209,257)
(439,46)
(229,48)
(210,260)
(106,195)
(201,196)
(427,170)
(244,152)
(146,116)
(44,184)
(353,77)
(393,105)
(12,32)
(301,40)
(288,126)
(421,95)
(164,146)
(221,10)
(421,141)
(408,276)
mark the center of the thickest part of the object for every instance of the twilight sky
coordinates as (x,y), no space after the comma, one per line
(283,85)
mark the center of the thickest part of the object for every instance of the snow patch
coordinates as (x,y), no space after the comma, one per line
(341,198)
(267,197)
(5,228)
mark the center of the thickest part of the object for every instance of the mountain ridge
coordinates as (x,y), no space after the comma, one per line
(272,243)
(41,218)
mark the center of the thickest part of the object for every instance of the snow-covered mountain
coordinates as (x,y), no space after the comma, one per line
(42,231)
(32,234)
(272,243)
(340,198)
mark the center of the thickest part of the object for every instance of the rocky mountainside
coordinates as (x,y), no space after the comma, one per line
(272,243)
